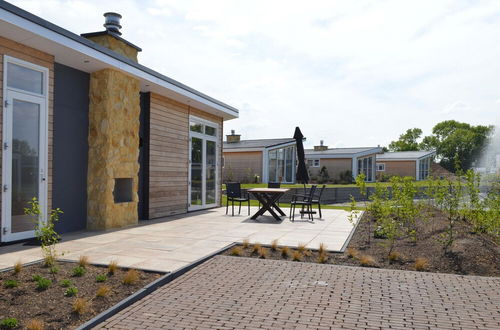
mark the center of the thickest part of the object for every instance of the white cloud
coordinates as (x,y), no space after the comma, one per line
(353,73)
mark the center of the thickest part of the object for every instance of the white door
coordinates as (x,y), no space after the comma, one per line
(203,164)
(24,154)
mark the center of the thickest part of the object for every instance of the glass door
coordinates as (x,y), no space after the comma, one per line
(203,165)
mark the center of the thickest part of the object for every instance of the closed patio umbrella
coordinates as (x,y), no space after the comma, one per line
(302,175)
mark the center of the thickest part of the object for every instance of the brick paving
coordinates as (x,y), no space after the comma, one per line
(243,293)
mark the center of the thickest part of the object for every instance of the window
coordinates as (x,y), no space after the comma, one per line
(24,78)
(281,164)
(423,168)
(380,167)
(365,166)
(313,162)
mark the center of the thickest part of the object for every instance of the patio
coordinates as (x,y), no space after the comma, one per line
(170,243)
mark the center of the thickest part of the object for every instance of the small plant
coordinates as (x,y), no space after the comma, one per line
(101,278)
(395,256)
(71,291)
(322,257)
(81,306)
(83,261)
(54,270)
(35,324)
(366,261)
(236,251)
(131,277)
(103,291)
(245,244)
(18,266)
(9,284)
(296,256)
(43,283)
(45,230)
(112,267)
(421,264)
(301,247)
(256,247)
(79,271)
(322,248)
(36,277)
(285,252)
(9,323)
(352,253)
(274,245)
(65,283)
(263,253)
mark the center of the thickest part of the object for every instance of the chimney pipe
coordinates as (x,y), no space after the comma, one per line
(112,22)
(233,138)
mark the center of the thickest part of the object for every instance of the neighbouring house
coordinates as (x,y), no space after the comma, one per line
(342,164)
(88,129)
(416,164)
(263,160)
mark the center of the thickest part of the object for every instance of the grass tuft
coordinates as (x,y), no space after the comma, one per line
(81,306)
(43,283)
(263,253)
(18,266)
(285,252)
(131,277)
(9,323)
(322,248)
(301,247)
(274,245)
(246,243)
(79,271)
(101,278)
(9,284)
(322,258)
(297,255)
(366,261)
(421,264)
(236,251)
(35,324)
(256,247)
(103,291)
(83,261)
(352,253)
(395,256)
(112,267)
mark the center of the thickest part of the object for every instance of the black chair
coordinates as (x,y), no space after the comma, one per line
(317,199)
(234,194)
(303,201)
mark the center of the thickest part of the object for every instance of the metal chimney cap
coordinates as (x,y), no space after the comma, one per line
(321,142)
(232,132)
(112,22)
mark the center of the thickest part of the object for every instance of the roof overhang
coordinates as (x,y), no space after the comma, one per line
(242,149)
(82,54)
(343,155)
(429,154)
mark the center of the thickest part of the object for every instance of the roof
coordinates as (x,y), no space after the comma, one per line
(256,144)
(405,155)
(342,152)
(80,53)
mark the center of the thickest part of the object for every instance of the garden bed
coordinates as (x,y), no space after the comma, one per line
(470,254)
(22,297)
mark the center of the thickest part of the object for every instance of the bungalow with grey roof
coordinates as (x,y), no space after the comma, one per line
(416,164)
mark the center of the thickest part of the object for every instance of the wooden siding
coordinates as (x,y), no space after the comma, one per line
(169,155)
(242,166)
(398,167)
(22,52)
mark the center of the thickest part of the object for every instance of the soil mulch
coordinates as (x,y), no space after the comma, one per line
(470,254)
(25,302)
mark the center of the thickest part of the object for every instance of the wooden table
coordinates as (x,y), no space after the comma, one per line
(268,198)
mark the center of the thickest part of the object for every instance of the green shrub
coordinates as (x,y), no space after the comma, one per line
(36,277)
(10,284)
(43,283)
(101,278)
(79,271)
(9,323)
(65,283)
(71,291)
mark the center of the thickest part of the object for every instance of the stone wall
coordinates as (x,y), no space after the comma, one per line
(113,147)
(116,45)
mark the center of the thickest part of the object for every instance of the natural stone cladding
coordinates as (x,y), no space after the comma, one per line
(113,147)
(116,45)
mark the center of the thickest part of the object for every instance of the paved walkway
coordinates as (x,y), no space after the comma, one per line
(170,243)
(231,292)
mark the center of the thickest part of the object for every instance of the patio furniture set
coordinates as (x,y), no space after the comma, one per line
(269,200)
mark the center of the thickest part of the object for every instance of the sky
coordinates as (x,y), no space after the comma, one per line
(351,73)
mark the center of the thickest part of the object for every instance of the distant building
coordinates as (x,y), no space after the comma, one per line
(405,163)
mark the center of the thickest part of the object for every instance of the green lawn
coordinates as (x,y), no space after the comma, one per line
(286,206)
(369,184)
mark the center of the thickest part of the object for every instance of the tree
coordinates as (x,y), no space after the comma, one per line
(407,141)
(454,141)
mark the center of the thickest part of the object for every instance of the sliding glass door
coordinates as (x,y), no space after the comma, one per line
(203,165)
(281,165)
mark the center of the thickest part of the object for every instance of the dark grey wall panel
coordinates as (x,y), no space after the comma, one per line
(143,207)
(71,124)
